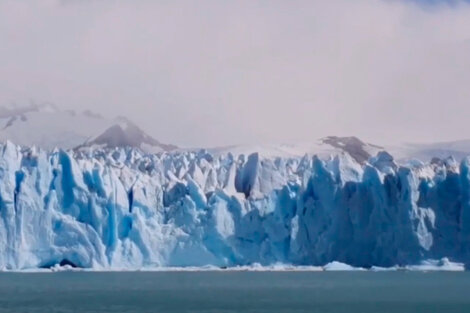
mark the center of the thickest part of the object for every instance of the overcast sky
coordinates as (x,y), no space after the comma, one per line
(204,73)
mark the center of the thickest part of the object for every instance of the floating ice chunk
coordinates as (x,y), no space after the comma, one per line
(443,264)
(338,266)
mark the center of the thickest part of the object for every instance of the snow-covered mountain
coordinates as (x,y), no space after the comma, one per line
(124,133)
(426,152)
(48,127)
(323,147)
(359,150)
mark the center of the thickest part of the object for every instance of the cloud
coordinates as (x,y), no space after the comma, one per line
(204,73)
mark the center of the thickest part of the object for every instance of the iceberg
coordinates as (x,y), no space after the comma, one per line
(121,208)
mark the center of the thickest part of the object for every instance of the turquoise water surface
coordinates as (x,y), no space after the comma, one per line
(323,292)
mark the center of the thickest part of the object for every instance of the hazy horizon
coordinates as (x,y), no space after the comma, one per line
(223,73)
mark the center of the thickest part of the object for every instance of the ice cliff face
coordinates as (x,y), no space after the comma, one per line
(123,209)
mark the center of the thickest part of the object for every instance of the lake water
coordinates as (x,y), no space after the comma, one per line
(323,292)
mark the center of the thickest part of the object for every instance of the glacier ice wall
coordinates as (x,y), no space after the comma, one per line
(123,209)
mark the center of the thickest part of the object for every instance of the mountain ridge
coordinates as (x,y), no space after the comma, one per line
(48,127)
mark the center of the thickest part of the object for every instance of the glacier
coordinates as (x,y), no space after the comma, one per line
(122,208)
